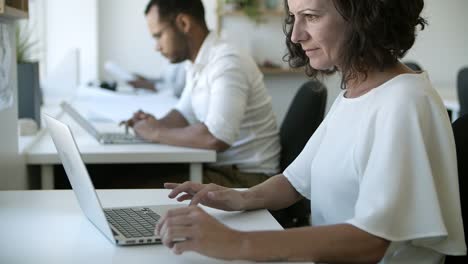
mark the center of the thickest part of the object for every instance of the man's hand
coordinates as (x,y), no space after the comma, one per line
(147,127)
(137,116)
(143,83)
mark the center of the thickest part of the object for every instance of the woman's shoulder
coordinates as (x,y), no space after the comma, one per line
(407,90)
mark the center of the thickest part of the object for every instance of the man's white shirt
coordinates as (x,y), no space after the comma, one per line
(225,91)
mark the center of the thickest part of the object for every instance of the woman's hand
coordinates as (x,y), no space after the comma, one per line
(210,195)
(192,229)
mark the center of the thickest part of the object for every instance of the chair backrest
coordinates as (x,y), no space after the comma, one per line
(460,132)
(462,89)
(305,114)
(414,66)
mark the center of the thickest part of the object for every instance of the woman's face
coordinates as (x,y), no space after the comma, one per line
(320,30)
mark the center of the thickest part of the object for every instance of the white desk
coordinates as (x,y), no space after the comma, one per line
(42,152)
(49,227)
(448,93)
(113,107)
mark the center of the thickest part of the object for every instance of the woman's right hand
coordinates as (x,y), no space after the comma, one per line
(210,195)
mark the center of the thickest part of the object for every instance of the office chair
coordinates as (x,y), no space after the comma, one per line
(460,132)
(462,89)
(413,65)
(304,115)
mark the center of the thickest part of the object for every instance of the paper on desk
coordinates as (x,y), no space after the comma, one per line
(118,72)
(102,105)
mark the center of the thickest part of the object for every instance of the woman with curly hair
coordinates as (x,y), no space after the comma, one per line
(380,171)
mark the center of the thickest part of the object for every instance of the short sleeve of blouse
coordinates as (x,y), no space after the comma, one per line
(409,185)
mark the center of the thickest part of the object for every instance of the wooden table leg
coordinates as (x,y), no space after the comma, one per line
(196,172)
(47,177)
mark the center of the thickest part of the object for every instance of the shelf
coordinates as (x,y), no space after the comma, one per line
(277,71)
(13,13)
(265,8)
(14,9)
(266,13)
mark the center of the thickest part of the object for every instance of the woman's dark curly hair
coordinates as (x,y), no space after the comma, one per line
(380,33)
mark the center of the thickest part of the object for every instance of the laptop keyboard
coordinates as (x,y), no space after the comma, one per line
(118,136)
(133,222)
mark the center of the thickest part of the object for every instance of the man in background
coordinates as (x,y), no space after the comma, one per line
(224,106)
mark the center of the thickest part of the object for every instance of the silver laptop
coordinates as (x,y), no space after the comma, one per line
(122,226)
(103,138)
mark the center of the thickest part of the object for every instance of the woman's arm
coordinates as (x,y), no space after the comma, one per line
(341,243)
(275,193)
(195,230)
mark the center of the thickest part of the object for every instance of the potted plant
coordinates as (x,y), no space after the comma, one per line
(250,7)
(29,92)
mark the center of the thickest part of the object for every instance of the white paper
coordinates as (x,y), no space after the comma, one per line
(6,87)
(103,105)
(118,72)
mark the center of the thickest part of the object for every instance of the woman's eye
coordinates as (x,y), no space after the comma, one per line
(310,17)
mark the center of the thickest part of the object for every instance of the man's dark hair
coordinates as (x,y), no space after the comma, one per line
(380,33)
(169,9)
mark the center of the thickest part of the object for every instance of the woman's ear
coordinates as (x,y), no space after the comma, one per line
(183,23)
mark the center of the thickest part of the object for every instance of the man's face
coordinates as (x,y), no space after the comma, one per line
(170,41)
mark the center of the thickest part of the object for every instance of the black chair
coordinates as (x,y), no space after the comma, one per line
(460,132)
(304,115)
(414,66)
(462,89)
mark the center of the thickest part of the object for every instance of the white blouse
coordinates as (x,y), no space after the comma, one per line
(385,162)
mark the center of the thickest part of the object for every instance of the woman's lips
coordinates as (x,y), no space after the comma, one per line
(310,52)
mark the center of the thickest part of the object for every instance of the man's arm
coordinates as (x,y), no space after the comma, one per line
(174,119)
(174,129)
(195,136)
(143,83)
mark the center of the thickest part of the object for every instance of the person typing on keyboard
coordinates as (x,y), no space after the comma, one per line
(224,106)
(380,171)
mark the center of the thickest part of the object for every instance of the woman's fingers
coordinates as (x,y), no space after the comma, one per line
(175,234)
(171,185)
(183,246)
(184,197)
(186,187)
(201,195)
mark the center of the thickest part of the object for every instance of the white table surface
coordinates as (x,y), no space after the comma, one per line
(49,227)
(448,93)
(103,105)
(43,150)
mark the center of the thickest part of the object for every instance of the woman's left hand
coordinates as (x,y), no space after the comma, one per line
(192,229)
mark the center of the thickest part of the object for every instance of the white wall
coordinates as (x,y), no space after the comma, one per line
(12,168)
(124,37)
(71,25)
(442,48)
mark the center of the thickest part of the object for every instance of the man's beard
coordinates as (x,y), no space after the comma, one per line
(182,53)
